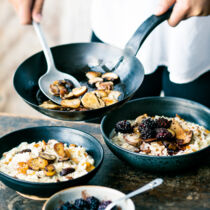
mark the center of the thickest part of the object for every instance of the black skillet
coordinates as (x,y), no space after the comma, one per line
(77,59)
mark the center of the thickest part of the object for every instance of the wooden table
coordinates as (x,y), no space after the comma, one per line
(190,190)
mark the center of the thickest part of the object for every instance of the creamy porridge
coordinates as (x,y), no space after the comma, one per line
(46,162)
(160,135)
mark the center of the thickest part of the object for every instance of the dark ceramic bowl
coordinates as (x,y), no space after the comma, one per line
(167,106)
(62,134)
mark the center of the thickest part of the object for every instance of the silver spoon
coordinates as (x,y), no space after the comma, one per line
(52,73)
(146,187)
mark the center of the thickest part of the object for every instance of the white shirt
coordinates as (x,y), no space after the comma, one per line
(185,49)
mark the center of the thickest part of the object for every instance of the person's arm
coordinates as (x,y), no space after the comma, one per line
(183,9)
(28,10)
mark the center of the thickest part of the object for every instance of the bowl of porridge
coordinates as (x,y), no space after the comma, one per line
(40,161)
(159,133)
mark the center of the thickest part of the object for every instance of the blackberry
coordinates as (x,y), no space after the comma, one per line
(163,133)
(147,133)
(93,202)
(67,206)
(104,204)
(163,123)
(81,204)
(147,123)
(123,127)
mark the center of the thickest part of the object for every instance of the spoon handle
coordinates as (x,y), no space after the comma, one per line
(146,187)
(46,49)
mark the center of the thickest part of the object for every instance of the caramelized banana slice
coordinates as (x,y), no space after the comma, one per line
(68,96)
(104,85)
(90,100)
(108,101)
(42,163)
(62,159)
(71,103)
(93,74)
(66,157)
(114,95)
(140,118)
(49,170)
(59,149)
(33,163)
(182,136)
(79,91)
(37,163)
(92,82)
(100,93)
(49,105)
(110,76)
(133,139)
(48,157)
(54,90)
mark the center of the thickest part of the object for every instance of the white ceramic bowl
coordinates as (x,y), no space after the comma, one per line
(100,192)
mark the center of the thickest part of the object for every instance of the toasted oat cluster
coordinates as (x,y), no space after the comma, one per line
(81,98)
(46,162)
(160,135)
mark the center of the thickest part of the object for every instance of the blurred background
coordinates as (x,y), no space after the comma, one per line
(65,21)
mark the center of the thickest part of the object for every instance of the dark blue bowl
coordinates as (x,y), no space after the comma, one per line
(168,106)
(62,134)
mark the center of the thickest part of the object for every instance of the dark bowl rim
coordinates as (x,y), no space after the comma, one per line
(55,183)
(153,156)
(88,111)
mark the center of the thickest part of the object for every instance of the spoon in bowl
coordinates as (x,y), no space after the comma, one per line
(146,187)
(52,73)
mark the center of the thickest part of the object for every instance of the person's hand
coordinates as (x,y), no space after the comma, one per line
(28,10)
(183,9)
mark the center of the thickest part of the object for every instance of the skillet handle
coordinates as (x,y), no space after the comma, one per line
(136,41)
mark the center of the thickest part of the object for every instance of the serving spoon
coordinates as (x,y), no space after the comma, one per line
(52,73)
(146,187)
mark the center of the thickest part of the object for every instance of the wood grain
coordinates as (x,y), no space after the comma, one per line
(189,190)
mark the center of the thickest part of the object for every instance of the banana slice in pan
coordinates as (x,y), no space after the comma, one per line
(91,101)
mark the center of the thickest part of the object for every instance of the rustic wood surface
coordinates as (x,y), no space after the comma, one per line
(189,190)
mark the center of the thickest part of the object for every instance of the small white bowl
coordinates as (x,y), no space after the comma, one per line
(100,192)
